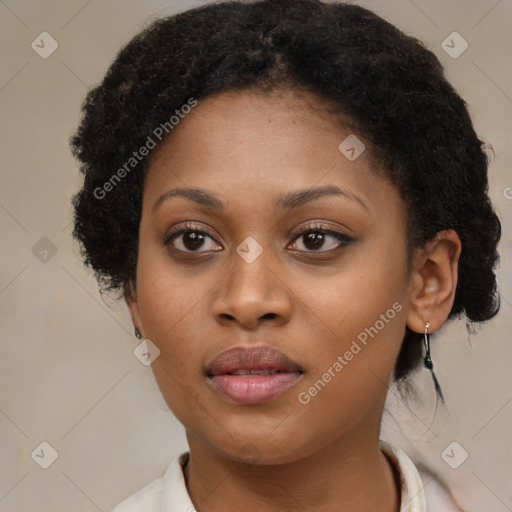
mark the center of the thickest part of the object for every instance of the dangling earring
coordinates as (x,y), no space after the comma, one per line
(427,360)
(138,335)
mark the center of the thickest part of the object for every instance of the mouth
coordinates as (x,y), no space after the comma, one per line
(252,375)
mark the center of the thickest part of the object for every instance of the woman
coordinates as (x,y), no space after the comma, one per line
(291,198)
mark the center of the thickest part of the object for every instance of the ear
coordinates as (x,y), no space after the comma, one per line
(434,281)
(130,297)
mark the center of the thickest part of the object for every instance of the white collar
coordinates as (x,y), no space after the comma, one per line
(413,495)
(175,497)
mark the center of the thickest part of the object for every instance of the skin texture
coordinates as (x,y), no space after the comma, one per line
(247,149)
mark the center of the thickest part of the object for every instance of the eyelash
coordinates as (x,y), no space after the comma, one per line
(314,228)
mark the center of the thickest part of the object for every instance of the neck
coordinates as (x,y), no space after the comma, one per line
(349,474)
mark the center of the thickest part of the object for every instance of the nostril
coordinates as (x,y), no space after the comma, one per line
(269,315)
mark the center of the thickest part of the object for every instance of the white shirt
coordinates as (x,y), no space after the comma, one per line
(169,492)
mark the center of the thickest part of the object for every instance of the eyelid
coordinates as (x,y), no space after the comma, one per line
(319,226)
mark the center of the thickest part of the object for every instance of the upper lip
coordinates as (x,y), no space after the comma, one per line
(252,358)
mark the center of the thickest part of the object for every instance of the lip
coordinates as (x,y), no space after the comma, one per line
(252,375)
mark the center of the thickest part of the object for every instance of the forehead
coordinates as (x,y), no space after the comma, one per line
(249,144)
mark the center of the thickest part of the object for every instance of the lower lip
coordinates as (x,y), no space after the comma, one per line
(254,389)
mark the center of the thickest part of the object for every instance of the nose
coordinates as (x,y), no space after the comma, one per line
(251,294)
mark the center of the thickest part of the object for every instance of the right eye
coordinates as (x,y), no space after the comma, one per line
(189,239)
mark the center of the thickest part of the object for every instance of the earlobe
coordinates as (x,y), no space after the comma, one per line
(434,282)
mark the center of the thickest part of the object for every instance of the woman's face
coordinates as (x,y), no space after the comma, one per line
(252,270)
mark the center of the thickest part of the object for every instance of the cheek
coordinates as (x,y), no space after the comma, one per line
(360,322)
(354,297)
(349,375)
(169,307)
(169,295)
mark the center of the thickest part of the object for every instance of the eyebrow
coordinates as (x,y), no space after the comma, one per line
(287,201)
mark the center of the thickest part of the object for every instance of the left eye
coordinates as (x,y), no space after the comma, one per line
(315,239)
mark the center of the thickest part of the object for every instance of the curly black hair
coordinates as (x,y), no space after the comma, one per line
(388,84)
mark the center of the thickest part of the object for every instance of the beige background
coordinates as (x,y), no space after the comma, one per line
(68,375)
